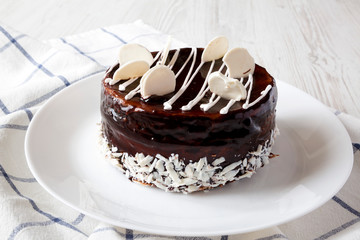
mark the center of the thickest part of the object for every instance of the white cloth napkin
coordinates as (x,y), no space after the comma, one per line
(32,71)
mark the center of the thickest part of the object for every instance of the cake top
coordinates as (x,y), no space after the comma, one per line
(213,79)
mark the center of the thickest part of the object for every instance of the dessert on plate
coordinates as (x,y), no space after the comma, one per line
(188,119)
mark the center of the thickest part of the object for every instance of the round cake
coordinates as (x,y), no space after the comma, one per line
(187,123)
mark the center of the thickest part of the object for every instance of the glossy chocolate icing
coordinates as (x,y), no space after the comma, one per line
(139,125)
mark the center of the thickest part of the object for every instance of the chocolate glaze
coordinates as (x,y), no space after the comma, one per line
(139,125)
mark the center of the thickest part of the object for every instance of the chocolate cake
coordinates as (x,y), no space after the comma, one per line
(197,134)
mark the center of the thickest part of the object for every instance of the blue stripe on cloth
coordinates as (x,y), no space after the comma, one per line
(114,35)
(189,238)
(4,108)
(13,126)
(29,114)
(81,52)
(275,236)
(36,69)
(41,98)
(338,229)
(144,235)
(337,112)
(26,225)
(32,60)
(37,100)
(78,219)
(18,179)
(346,206)
(356,147)
(109,229)
(129,234)
(11,43)
(35,207)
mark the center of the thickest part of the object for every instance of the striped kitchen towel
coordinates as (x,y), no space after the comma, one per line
(32,71)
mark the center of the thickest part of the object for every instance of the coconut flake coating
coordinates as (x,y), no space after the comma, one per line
(173,175)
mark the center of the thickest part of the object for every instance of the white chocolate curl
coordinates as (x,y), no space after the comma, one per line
(159,81)
(132,51)
(225,87)
(132,69)
(215,49)
(239,63)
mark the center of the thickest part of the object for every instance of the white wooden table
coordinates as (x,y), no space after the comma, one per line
(313,45)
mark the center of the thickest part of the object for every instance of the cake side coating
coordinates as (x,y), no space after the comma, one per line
(136,126)
(226,147)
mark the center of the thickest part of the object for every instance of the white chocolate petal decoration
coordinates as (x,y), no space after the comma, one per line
(133,51)
(132,69)
(225,87)
(215,49)
(166,51)
(239,63)
(159,81)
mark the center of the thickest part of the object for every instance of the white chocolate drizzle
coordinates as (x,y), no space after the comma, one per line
(250,80)
(132,93)
(262,95)
(213,52)
(206,106)
(222,67)
(174,58)
(157,56)
(225,109)
(212,101)
(123,86)
(247,83)
(202,91)
(187,60)
(186,83)
(111,68)
(165,53)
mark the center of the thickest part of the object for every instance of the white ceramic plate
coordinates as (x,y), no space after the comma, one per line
(315,161)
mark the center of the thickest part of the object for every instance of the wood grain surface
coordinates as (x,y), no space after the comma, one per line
(313,45)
